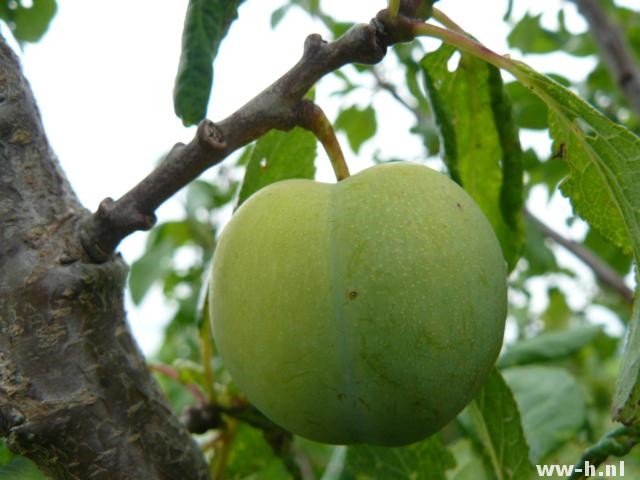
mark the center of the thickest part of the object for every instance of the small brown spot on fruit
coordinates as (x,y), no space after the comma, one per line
(353,295)
(459,206)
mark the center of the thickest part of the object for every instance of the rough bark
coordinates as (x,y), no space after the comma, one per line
(75,394)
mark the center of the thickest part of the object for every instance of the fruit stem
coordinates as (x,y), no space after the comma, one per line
(394,8)
(312,118)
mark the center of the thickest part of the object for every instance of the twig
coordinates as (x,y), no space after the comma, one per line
(617,443)
(602,270)
(276,107)
(614,50)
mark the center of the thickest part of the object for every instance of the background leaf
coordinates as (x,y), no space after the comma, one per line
(469,464)
(206,24)
(278,156)
(553,408)
(529,36)
(548,346)
(28,23)
(359,125)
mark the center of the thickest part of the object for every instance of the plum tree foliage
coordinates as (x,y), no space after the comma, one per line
(354,329)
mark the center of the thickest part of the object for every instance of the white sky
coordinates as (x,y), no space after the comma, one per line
(103,78)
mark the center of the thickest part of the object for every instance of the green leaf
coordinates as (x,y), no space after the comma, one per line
(427,459)
(156,262)
(549,346)
(29,24)
(20,468)
(278,14)
(480,141)
(608,252)
(33,22)
(498,429)
(205,26)
(359,125)
(529,36)
(604,162)
(558,313)
(528,110)
(153,265)
(553,406)
(469,464)
(539,256)
(278,156)
(252,457)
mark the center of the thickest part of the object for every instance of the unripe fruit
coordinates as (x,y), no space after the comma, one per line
(367,311)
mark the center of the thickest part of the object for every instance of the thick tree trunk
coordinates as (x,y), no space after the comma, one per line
(75,394)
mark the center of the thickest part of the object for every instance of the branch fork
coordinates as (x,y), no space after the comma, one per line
(280,106)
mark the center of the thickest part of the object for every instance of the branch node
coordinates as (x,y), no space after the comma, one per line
(312,44)
(202,418)
(105,208)
(398,29)
(209,135)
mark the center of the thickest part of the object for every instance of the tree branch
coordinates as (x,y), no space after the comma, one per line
(75,393)
(280,106)
(614,50)
(602,270)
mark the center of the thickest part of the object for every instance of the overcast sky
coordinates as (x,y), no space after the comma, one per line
(103,78)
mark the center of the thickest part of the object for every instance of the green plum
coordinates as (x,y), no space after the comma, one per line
(366,311)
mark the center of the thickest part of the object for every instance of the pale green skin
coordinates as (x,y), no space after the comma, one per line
(367,311)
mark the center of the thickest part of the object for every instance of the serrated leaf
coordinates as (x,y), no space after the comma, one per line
(205,26)
(604,162)
(480,141)
(427,459)
(498,429)
(359,125)
(552,405)
(548,346)
(278,156)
